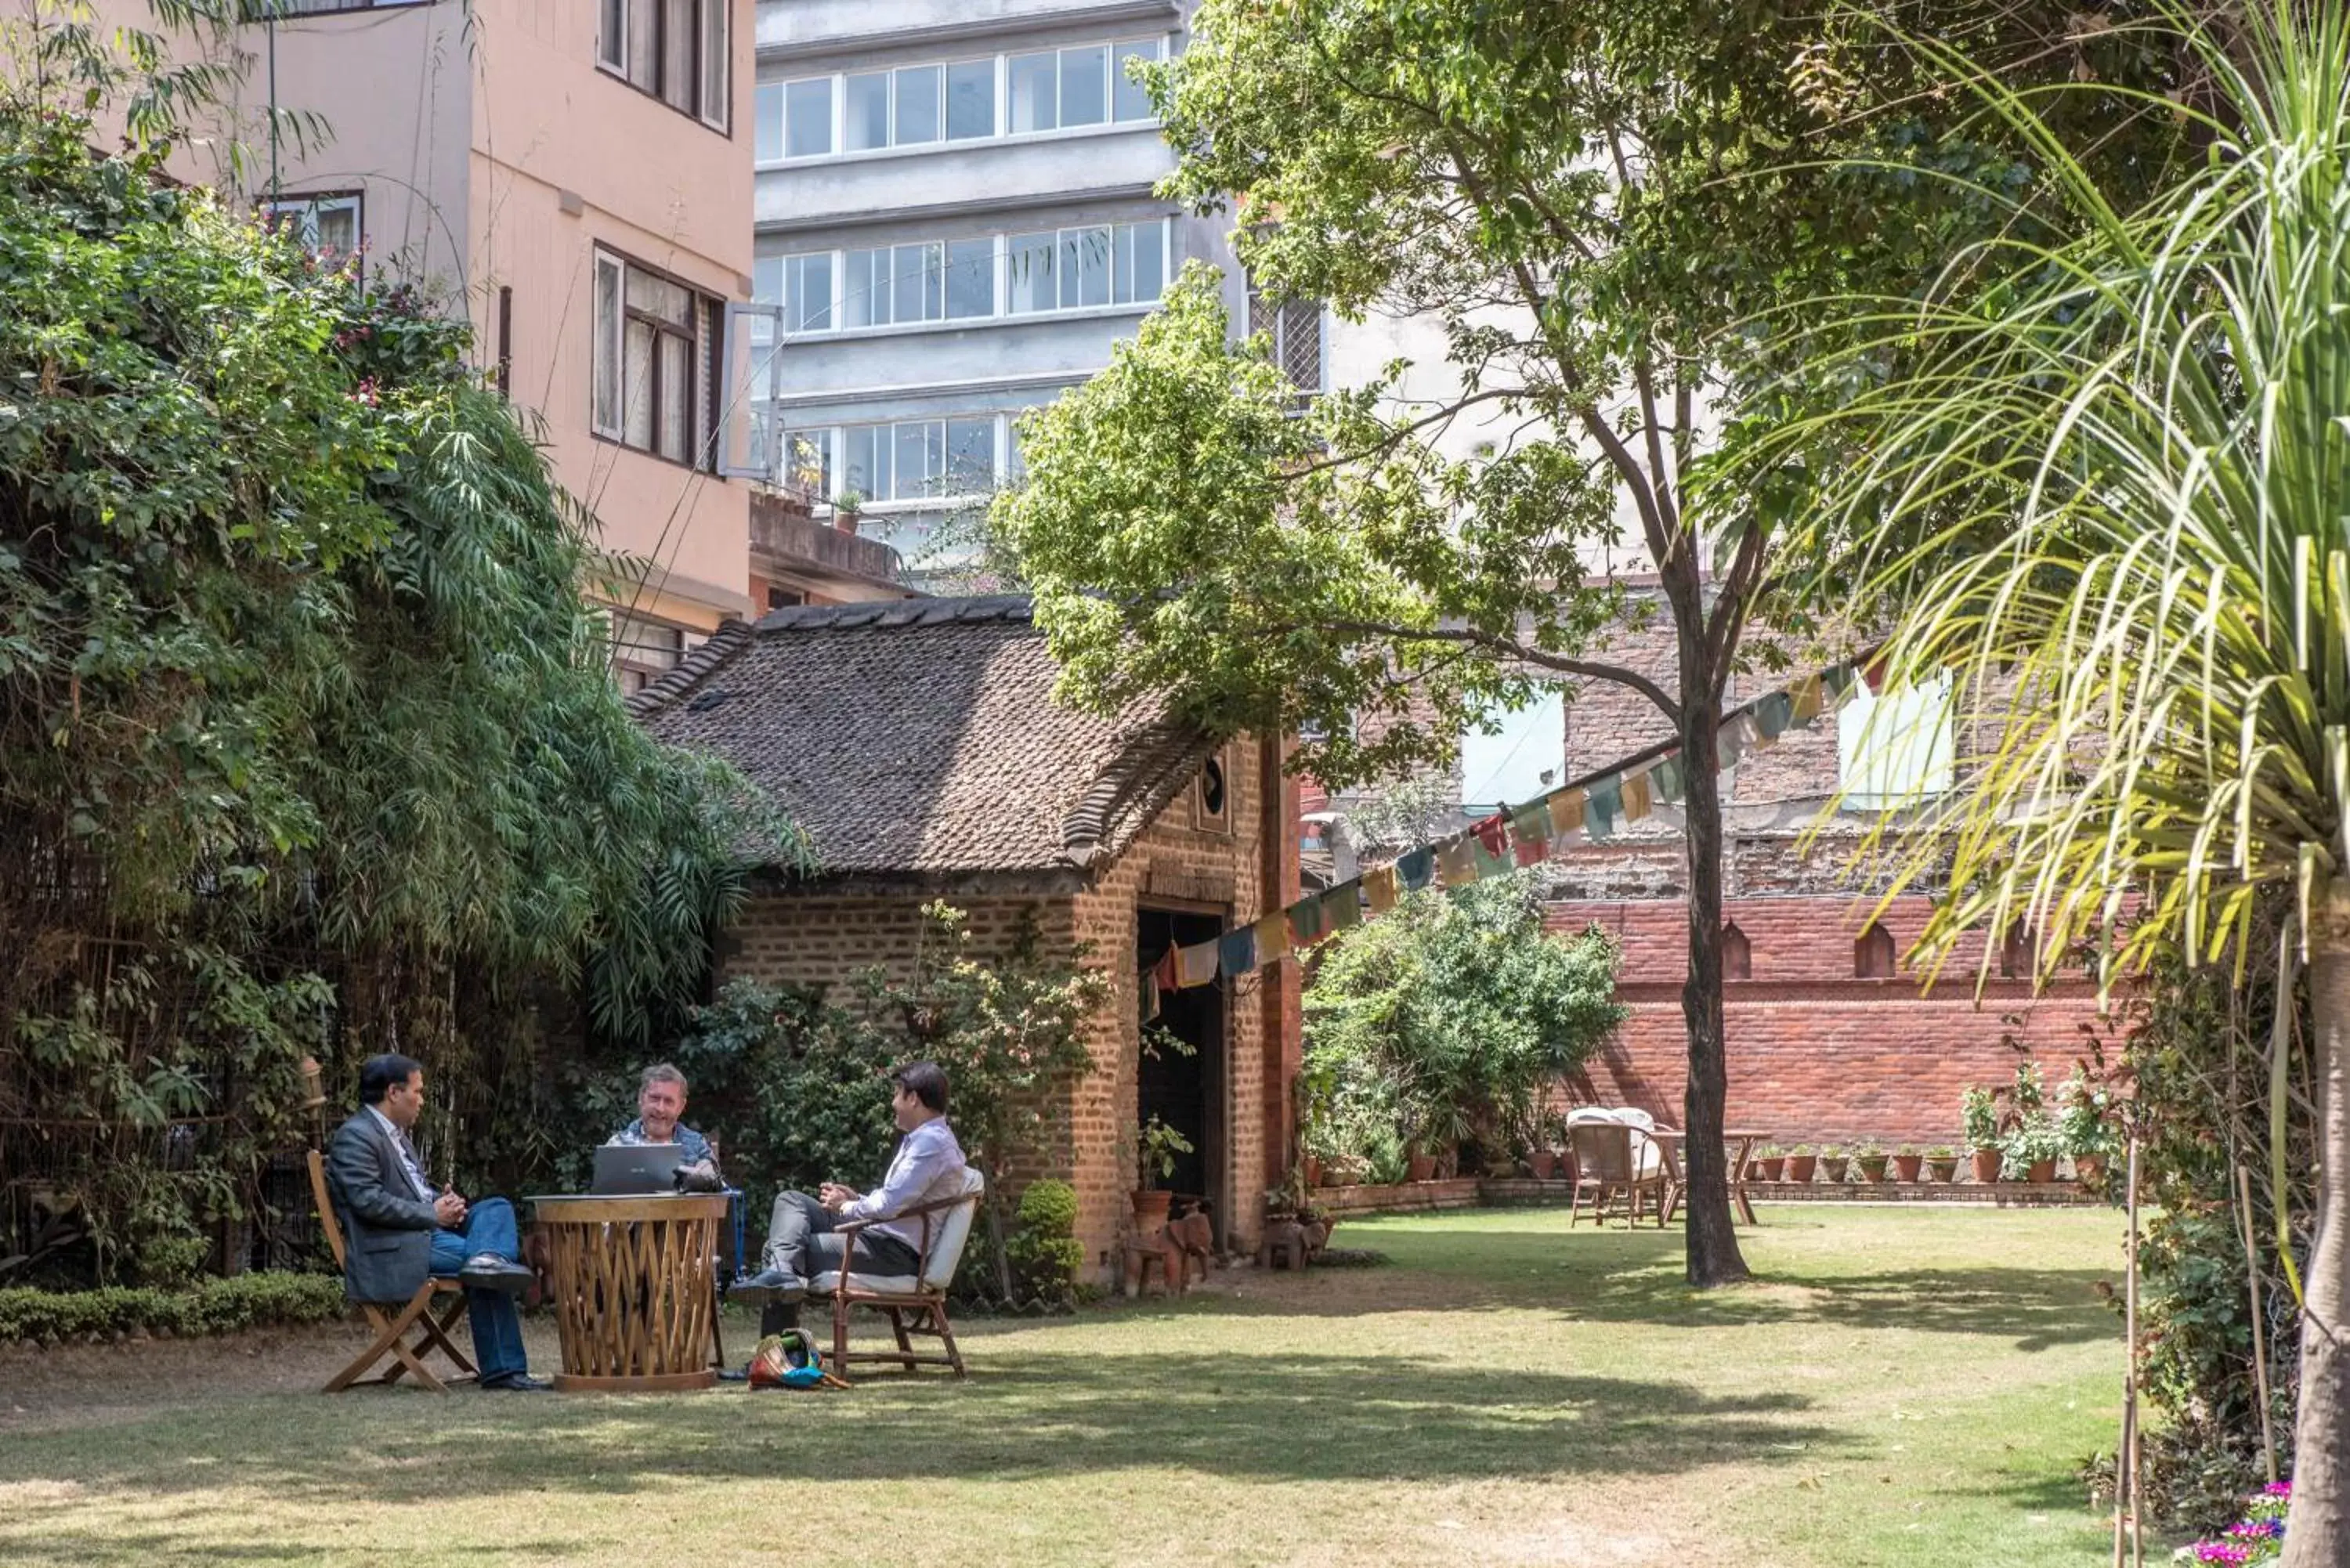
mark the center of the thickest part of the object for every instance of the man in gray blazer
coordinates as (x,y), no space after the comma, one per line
(402,1232)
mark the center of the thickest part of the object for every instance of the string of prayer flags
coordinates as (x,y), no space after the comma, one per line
(1236,952)
(1417,870)
(1601,806)
(1636,797)
(1459,859)
(1272,938)
(1196,964)
(1342,906)
(1669,779)
(1383,888)
(1305,923)
(1565,812)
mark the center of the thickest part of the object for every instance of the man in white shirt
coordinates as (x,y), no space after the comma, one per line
(802,1238)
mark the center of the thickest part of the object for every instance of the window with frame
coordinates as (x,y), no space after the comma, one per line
(953,100)
(330,224)
(261,9)
(910,460)
(643,651)
(655,361)
(1071,269)
(1294,327)
(676,50)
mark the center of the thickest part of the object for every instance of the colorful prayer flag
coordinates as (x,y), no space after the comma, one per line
(1383,888)
(1272,938)
(1838,682)
(1805,696)
(1236,953)
(1772,715)
(1565,812)
(1342,906)
(1459,859)
(1636,797)
(1490,862)
(1530,833)
(1305,927)
(1602,805)
(1150,996)
(1669,779)
(1489,831)
(1417,870)
(1196,964)
(1164,971)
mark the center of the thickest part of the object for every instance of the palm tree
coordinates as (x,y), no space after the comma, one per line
(2113,491)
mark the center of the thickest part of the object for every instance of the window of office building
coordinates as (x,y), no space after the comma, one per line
(954,100)
(955,280)
(907,460)
(1294,327)
(677,50)
(1070,269)
(970,100)
(652,369)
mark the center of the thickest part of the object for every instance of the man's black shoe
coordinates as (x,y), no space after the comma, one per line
(488,1272)
(519,1383)
(767,1286)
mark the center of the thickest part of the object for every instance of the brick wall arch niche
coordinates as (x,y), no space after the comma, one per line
(1737,953)
(1872,954)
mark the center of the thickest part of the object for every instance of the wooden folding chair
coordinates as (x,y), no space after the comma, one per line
(392,1325)
(945,1226)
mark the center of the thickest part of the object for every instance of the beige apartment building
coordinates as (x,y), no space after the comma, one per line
(575,175)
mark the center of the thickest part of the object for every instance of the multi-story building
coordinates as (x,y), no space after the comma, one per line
(572,175)
(955,216)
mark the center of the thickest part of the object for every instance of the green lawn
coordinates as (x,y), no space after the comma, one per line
(1912,1387)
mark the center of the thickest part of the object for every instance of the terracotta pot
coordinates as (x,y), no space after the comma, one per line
(1770,1166)
(1833,1166)
(1423,1166)
(2044,1171)
(1986,1163)
(1872,1166)
(1545,1163)
(2089,1168)
(845,521)
(1944,1169)
(1800,1166)
(1313,1172)
(1150,1212)
(1905,1167)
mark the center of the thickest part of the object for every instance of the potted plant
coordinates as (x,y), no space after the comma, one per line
(1802,1162)
(1541,1162)
(1979,1121)
(1870,1161)
(1907,1163)
(1941,1164)
(1158,1146)
(2085,1119)
(1834,1161)
(2033,1150)
(845,509)
(1769,1163)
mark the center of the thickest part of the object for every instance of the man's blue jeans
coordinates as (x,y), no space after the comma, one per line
(497,1325)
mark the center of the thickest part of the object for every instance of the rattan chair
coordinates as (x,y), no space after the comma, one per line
(914,1304)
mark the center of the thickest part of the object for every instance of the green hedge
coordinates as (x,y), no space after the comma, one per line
(215,1307)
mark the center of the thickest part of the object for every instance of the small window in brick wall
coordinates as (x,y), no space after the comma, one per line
(1737,953)
(1872,955)
(1213,806)
(2019,953)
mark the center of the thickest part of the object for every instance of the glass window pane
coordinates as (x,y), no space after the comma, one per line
(808,118)
(970,278)
(1128,98)
(866,120)
(1016,464)
(917,105)
(612,32)
(865,462)
(920,459)
(808,462)
(680,56)
(608,346)
(918,290)
(715,61)
(767,112)
(807,281)
(970,100)
(767,280)
(636,384)
(1029,265)
(1085,267)
(676,396)
(659,296)
(1085,86)
(337,228)
(644,49)
(865,289)
(971,456)
(1035,94)
(1137,263)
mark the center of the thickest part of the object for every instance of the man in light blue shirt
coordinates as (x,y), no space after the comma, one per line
(802,1242)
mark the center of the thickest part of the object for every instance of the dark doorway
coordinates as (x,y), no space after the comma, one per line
(1186,1091)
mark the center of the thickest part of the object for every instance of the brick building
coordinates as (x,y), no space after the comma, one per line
(919,746)
(1829,1037)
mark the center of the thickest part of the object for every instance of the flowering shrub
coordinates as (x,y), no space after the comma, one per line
(2257,1537)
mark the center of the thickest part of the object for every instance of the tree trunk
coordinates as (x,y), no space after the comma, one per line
(2318,1528)
(1712,1237)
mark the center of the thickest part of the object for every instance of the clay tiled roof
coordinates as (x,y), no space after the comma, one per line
(919,738)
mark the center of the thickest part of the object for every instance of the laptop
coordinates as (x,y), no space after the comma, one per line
(635,1170)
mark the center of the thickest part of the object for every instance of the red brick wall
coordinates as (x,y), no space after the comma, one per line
(1817,1055)
(825,940)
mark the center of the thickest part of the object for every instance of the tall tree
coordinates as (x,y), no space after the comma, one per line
(1589,200)
(2114,481)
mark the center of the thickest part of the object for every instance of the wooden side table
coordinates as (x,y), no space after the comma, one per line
(636,1286)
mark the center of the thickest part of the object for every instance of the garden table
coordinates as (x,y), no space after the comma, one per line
(636,1282)
(1739,1141)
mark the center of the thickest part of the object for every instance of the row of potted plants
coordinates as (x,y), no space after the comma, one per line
(1865,1162)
